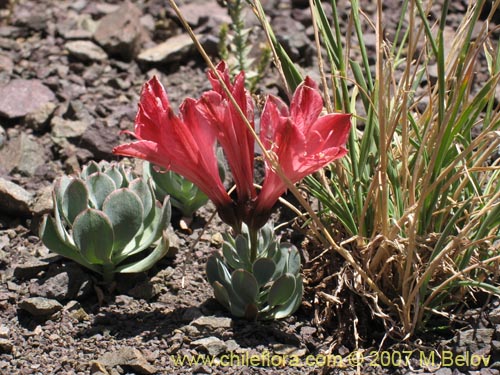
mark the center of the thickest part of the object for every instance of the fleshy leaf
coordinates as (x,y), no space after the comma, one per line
(124,209)
(115,175)
(99,186)
(263,270)
(146,263)
(282,289)
(244,285)
(74,200)
(50,238)
(142,189)
(93,235)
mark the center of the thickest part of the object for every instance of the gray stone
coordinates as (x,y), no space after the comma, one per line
(39,306)
(120,32)
(145,290)
(494,315)
(475,339)
(77,27)
(444,371)
(191,313)
(213,345)
(23,154)
(3,137)
(86,51)
(62,128)
(6,346)
(129,357)
(69,283)
(99,139)
(6,64)
(173,49)
(43,203)
(4,332)
(20,97)
(30,268)
(14,199)
(488,371)
(213,322)
(39,119)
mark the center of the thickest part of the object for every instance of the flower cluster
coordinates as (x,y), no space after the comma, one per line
(299,137)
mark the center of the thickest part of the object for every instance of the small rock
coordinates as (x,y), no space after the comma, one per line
(86,51)
(39,119)
(76,311)
(120,32)
(20,97)
(289,350)
(129,357)
(62,128)
(96,368)
(213,345)
(173,49)
(30,268)
(6,346)
(3,137)
(43,202)
(14,199)
(145,290)
(494,315)
(488,371)
(99,139)
(70,283)
(79,27)
(213,322)
(6,64)
(23,154)
(444,371)
(4,332)
(474,339)
(39,306)
(217,239)
(191,313)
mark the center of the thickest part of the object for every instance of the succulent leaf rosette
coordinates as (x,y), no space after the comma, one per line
(269,287)
(184,195)
(106,219)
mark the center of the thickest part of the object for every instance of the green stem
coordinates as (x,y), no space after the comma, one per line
(253,244)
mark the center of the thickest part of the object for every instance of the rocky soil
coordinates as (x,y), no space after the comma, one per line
(70,78)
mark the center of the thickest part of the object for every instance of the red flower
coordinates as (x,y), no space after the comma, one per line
(230,129)
(184,144)
(301,140)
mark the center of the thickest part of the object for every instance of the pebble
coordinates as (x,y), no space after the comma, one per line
(86,51)
(39,306)
(4,332)
(62,128)
(38,120)
(3,137)
(70,283)
(129,357)
(120,32)
(23,154)
(173,49)
(213,322)
(6,346)
(14,199)
(213,345)
(30,268)
(21,97)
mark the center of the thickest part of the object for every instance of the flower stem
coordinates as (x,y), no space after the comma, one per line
(253,244)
